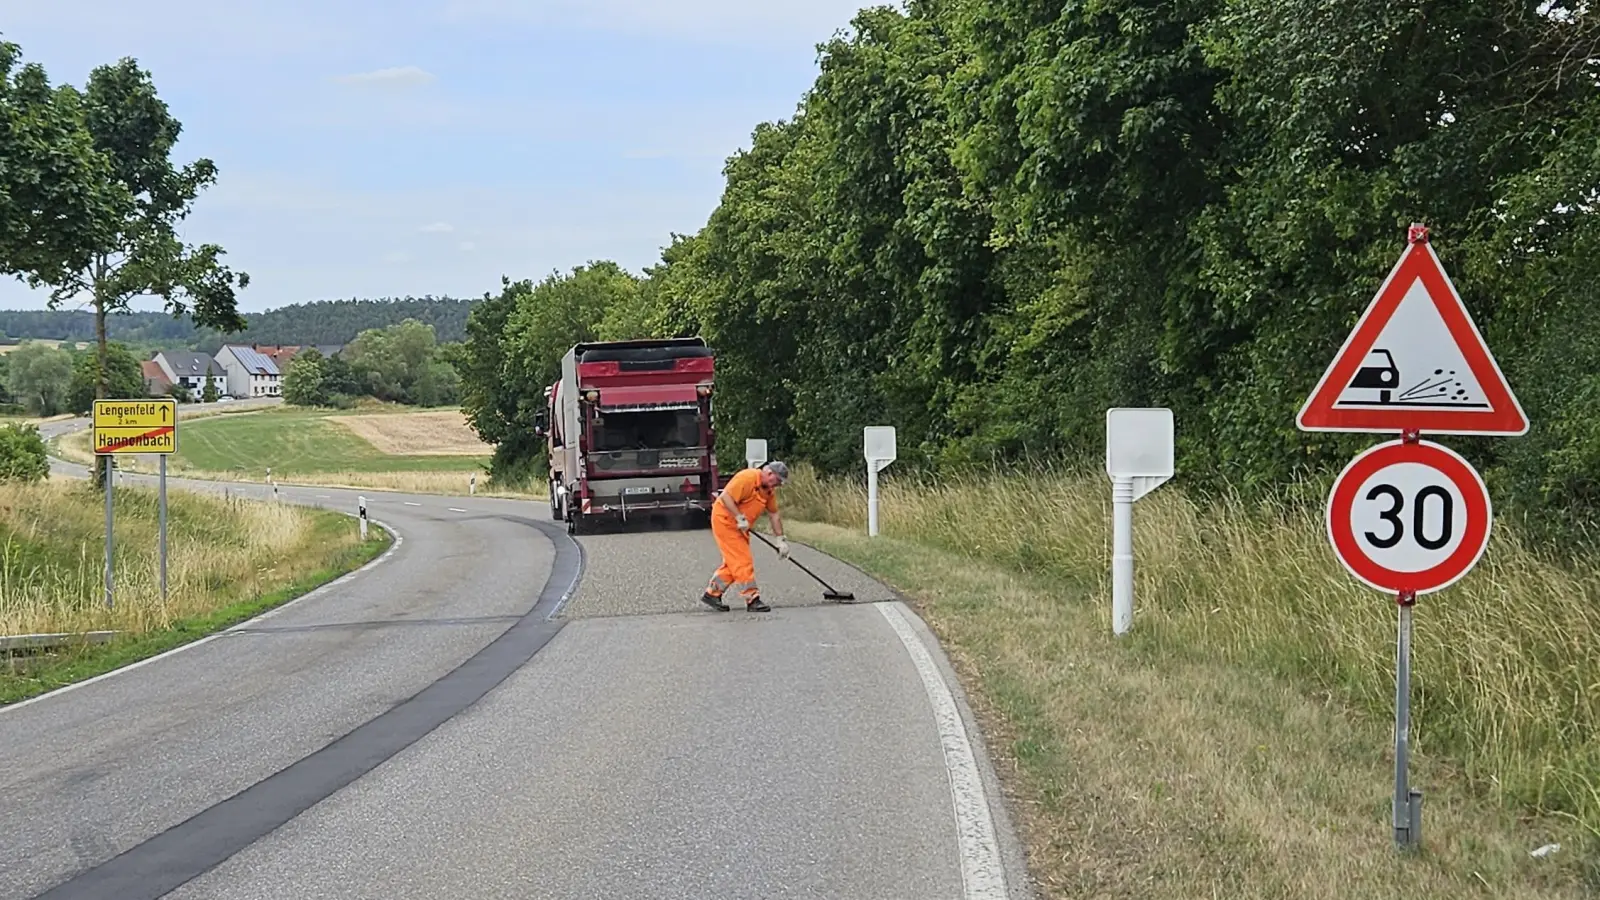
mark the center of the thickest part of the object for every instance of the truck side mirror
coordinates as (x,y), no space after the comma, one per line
(541,425)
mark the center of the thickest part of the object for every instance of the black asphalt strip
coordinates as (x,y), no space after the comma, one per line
(190,849)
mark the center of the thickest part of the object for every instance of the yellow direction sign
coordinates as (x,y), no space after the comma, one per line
(135,426)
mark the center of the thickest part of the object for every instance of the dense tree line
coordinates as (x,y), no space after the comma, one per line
(989,220)
(321,322)
(340,321)
(41,380)
(401,363)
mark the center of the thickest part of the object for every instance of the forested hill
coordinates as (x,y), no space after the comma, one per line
(320,322)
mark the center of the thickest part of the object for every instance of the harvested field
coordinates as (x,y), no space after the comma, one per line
(439,433)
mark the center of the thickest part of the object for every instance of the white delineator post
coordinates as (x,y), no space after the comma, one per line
(1140,456)
(878,445)
(361,509)
(1121,555)
(755,452)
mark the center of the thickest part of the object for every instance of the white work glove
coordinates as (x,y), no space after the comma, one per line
(744,524)
(783,547)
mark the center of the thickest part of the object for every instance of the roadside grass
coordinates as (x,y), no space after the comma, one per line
(1238,743)
(228,560)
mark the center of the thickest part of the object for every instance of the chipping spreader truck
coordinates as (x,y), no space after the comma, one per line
(628,428)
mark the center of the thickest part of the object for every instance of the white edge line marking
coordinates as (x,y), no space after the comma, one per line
(409,503)
(982,871)
(454,509)
(398,540)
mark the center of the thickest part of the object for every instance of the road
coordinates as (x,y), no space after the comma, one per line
(495,710)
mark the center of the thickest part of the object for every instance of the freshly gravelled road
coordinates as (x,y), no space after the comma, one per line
(497,711)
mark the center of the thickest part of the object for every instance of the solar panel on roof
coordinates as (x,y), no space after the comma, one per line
(256,362)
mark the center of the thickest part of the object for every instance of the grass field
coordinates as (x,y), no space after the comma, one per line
(389,448)
(48,342)
(1239,742)
(293,441)
(228,559)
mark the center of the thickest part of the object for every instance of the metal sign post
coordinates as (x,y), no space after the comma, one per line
(163,504)
(878,442)
(1407,802)
(1140,457)
(110,480)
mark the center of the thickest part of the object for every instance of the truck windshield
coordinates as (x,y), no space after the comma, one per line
(646,430)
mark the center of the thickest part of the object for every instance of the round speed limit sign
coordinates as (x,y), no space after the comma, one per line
(1409,517)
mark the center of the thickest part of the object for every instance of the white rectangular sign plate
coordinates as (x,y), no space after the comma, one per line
(1139,443)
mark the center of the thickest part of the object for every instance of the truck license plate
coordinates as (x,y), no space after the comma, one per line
(636,490)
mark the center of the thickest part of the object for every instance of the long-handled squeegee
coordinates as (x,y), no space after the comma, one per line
(830,593)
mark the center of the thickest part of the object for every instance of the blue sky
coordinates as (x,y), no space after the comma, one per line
(370,149)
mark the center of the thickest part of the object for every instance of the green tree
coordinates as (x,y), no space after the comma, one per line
(40,377)
(491,405)
(132,128)
(397,364)
(124,379)
(22,454)
(304,379)
(208,391)
(57,203)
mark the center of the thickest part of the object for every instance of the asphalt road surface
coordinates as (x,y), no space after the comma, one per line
(496,711)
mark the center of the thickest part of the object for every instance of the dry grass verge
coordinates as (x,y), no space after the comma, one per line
(218,551)
(1238,743)
(228,560)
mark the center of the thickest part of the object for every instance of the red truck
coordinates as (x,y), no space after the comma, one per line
(628,429)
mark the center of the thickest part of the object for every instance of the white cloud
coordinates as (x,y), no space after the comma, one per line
(437,228)
(399,77)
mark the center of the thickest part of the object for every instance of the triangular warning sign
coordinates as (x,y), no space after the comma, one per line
(1415,362)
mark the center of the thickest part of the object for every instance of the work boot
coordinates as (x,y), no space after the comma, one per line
(754,604)
(713,602)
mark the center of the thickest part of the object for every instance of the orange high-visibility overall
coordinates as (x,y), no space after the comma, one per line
(738,569)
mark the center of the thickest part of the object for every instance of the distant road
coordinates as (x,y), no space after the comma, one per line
(497,711)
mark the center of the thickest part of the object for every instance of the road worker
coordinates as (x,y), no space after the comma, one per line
(746,496)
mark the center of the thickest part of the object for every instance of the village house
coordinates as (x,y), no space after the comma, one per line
(251,373)
(191,369)
(156,382)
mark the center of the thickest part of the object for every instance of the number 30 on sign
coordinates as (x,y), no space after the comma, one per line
(1409,517)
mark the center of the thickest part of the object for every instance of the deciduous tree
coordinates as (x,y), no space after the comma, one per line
(132,128)
(57,201)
